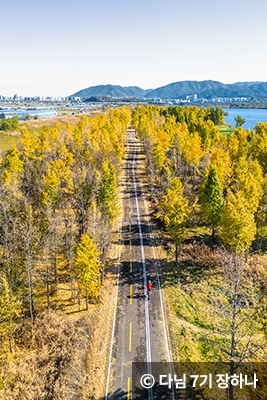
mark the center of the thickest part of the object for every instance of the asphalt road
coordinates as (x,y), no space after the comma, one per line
(139,324)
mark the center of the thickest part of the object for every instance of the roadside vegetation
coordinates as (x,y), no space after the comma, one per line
(10,124)
(62,118)
(58,212)
(58,208)
(207,186)
(10,129)
(8,141)
(9,133)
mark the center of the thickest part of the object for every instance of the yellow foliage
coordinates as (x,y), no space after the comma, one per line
(31,144)
(87,265)
(6,177)
(259,145)
(163,139)
(249,179)
(238,227)
(174,210)
(193,151)
(220,159)
(239,144)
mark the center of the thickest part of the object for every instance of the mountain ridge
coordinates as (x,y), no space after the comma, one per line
(111,90)
(179,89)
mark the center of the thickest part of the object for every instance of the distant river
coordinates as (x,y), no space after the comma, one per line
(252,116)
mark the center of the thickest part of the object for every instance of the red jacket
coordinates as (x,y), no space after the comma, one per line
(149,286)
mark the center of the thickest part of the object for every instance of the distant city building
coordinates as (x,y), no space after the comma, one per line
(73,98)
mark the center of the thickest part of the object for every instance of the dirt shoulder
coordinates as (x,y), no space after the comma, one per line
(62,119)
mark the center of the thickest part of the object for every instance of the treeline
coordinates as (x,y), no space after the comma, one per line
(222,181)
(58,201)
(202,181)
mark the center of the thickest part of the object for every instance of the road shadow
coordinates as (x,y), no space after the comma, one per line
(132,232)
(119,394)
(159,393)
(136,277)
(138,296)
(187,272)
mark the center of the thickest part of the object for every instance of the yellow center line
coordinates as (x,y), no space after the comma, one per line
(130,338)
(131,266)
(128,389)
(131,294)
(130,227)
(130,244)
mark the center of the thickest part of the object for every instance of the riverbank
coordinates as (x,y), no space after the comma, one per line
(252,116)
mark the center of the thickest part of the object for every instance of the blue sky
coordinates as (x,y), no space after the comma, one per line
(57,47)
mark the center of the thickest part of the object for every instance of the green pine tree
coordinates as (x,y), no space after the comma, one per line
(212,200)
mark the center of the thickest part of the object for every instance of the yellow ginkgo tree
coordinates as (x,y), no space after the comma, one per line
(238,227)
(87,267)
(174,211)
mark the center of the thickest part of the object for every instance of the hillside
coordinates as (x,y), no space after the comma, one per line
(111,90)
(208,88)
(184,88)
(180,89)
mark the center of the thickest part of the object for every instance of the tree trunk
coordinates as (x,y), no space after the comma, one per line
(258,241)
(102,275)
(79,299)
(103,267)
(10,344)
(231,388)
(47,287)
(176,255)
(30,282)
(47,275)
(86,301)
(30,294)
(233,332)
(213,233)
(73,289)
(55,270)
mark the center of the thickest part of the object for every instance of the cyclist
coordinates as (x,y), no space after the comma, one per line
(148,287)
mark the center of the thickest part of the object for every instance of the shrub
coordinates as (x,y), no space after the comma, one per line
(11,124)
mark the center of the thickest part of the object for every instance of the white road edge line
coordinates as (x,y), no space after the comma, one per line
(160,292)
(115,312)
(159,284)
(150,392)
